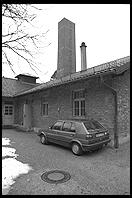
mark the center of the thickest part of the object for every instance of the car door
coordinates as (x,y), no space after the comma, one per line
(67,133)
(52,134)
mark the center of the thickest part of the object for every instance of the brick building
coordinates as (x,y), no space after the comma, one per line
(101,92)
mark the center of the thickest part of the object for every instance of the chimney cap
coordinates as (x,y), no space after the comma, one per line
(83,45)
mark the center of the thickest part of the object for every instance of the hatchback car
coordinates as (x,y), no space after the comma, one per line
(80,136)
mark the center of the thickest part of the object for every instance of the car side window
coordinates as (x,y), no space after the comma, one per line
(57,125)
(66,126)
(73,128)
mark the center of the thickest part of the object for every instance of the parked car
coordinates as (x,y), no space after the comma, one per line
(80,136)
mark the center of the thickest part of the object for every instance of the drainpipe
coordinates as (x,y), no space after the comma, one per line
(116,138)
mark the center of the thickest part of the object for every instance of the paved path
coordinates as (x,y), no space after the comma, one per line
(106,172)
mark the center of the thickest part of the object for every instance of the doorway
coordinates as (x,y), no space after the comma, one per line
(27,115)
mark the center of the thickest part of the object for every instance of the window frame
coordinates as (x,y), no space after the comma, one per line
(44,111)
(60,127)
(8,110)
(79,100)
(69,128)
(73,125)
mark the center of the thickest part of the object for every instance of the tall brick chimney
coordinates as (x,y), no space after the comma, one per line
(66,48)
(83,56)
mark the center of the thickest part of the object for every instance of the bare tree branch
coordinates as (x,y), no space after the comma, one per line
(9,62)
(29,61)
(16,37)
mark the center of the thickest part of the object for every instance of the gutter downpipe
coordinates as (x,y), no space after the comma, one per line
(116,138)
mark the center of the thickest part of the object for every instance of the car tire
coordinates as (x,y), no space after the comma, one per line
(43,139)
(76,149)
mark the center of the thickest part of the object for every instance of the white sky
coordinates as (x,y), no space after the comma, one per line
(105,29)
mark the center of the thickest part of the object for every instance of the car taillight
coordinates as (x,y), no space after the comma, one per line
(89,136)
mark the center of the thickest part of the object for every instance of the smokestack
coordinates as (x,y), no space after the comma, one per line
(66,48)
(83,56)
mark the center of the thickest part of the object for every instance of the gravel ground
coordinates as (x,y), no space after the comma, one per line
(106,172)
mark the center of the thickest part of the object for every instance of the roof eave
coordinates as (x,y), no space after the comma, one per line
(96,74)
(91,72)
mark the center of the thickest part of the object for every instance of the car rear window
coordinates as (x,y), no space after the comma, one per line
(93,124)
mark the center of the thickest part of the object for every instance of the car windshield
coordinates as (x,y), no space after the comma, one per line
(93,124)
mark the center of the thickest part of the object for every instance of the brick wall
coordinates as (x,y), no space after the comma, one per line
(99,102)
(122,84)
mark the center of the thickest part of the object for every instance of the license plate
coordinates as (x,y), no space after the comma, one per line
(99,134)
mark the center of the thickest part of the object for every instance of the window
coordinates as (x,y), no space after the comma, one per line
(73,128)
(79,103)
(57,125)
(93,124)
(44,107)
(8,110)
(66,126)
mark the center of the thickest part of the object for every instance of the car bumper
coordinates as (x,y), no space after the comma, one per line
(95,145)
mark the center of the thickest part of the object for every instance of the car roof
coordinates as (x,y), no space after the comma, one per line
(73,120)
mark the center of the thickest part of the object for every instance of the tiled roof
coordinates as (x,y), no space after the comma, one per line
(116,66)
(10,87)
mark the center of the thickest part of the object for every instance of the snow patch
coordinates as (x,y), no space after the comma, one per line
(5,141)
(11,168)
(9,152)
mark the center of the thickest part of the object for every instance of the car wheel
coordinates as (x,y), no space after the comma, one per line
(76,149)
(43,139)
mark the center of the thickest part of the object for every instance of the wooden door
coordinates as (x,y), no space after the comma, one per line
(27,115)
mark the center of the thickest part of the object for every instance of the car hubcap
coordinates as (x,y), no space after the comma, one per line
(75,149)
